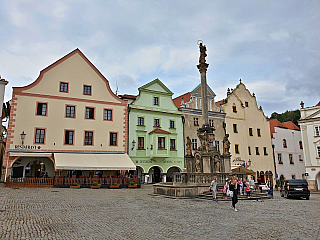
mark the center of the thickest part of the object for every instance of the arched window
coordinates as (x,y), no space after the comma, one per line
(284,142)
(300,145)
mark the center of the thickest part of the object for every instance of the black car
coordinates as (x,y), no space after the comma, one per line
(295,188)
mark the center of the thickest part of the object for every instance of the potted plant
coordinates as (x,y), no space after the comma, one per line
(74,185)
(115,185)
(132,185)
(95,185)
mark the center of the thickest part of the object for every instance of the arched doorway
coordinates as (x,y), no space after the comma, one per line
(155,174)
(170,172)
(139,173)
(32,167)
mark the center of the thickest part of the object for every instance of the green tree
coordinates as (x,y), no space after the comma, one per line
(292,116)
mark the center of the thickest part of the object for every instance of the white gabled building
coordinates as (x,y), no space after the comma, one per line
(310,130)
(288,150)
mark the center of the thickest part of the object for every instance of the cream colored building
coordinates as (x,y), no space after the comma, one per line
(68,119)
(190,104)
(310,131)
(249,132)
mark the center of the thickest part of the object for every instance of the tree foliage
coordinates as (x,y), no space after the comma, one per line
(293,116)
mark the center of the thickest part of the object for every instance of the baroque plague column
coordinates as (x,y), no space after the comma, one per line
(207,159)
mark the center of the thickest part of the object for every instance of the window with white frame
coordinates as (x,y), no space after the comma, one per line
(211,123)
(195,121)
(318,150)
(194,144)
(317,130)
(300,158)
(291,158)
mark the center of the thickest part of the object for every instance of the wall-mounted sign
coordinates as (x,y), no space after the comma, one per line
(313,169)
(27,147)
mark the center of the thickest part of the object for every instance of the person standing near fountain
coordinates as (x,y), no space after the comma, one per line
(234,188)
(214,189)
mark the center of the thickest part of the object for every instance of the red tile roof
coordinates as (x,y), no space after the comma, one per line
(158,130)
(129,96)
(318,104)
(186,98)
(276,123)
(219,103)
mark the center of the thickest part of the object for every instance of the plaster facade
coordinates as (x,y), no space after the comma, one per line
(249,132)
(42,112)
(310,130)
(155,125)
(190,104)
(288,153)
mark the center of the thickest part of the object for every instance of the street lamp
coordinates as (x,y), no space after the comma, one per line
(23,136)
(133,144)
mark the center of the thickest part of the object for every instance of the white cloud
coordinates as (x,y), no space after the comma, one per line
(59,10)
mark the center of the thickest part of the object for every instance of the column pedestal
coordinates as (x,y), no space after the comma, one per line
(206,163)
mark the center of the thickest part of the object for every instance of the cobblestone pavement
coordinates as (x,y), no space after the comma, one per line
(53,213)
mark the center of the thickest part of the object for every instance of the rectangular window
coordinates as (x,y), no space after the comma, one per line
(258,132)
(300,144)
(172,144)
(155,101)
(195,121)
(40,134)
(140,121)
(293,176)
(291,159)
(88,138)
(235,129)
(64,87)
(246,104)
(156,122)
(217,143)
(171,124)
(107,114)
(140,142)
(300,158)
(89,113)
(280,158)
(68,137)
(161,143)
(249,150)
(113,139)
(265,151)
(194,144)
(234,109)
(250,132)
(42,109)
(236,148)
(318,150)
(70,110)
(86,90)
(257,151)
(317,130)
(211,123)
(284,143)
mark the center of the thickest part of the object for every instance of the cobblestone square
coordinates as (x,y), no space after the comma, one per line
(63,213)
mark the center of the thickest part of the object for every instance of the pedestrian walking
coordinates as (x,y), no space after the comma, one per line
(234,189)
(241,186)
(259,183)
(224,191)
(248,191)
(270,186)
(251,182)
(213,186)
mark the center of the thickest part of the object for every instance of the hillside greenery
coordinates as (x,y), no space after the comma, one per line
(293,116)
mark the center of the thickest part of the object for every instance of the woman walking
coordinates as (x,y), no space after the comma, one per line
(234,189)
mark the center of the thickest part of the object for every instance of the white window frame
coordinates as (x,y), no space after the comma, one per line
(194,143)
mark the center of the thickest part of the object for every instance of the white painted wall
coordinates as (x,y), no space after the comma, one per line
(292,137)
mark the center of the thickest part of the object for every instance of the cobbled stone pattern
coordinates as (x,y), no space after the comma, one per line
(63,213)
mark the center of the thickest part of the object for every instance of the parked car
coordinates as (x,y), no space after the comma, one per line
(295,188)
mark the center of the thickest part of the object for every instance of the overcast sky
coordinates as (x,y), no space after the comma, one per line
(273,46)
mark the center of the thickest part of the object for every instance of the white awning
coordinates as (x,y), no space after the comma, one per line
(29,154)
(88,161)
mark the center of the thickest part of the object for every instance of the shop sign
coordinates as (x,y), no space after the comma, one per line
(145,161)
(313,169)
(27,147)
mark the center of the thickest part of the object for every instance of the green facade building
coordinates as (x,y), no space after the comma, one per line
(155,142)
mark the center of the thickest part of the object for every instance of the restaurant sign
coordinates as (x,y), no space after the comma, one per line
(27,147)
